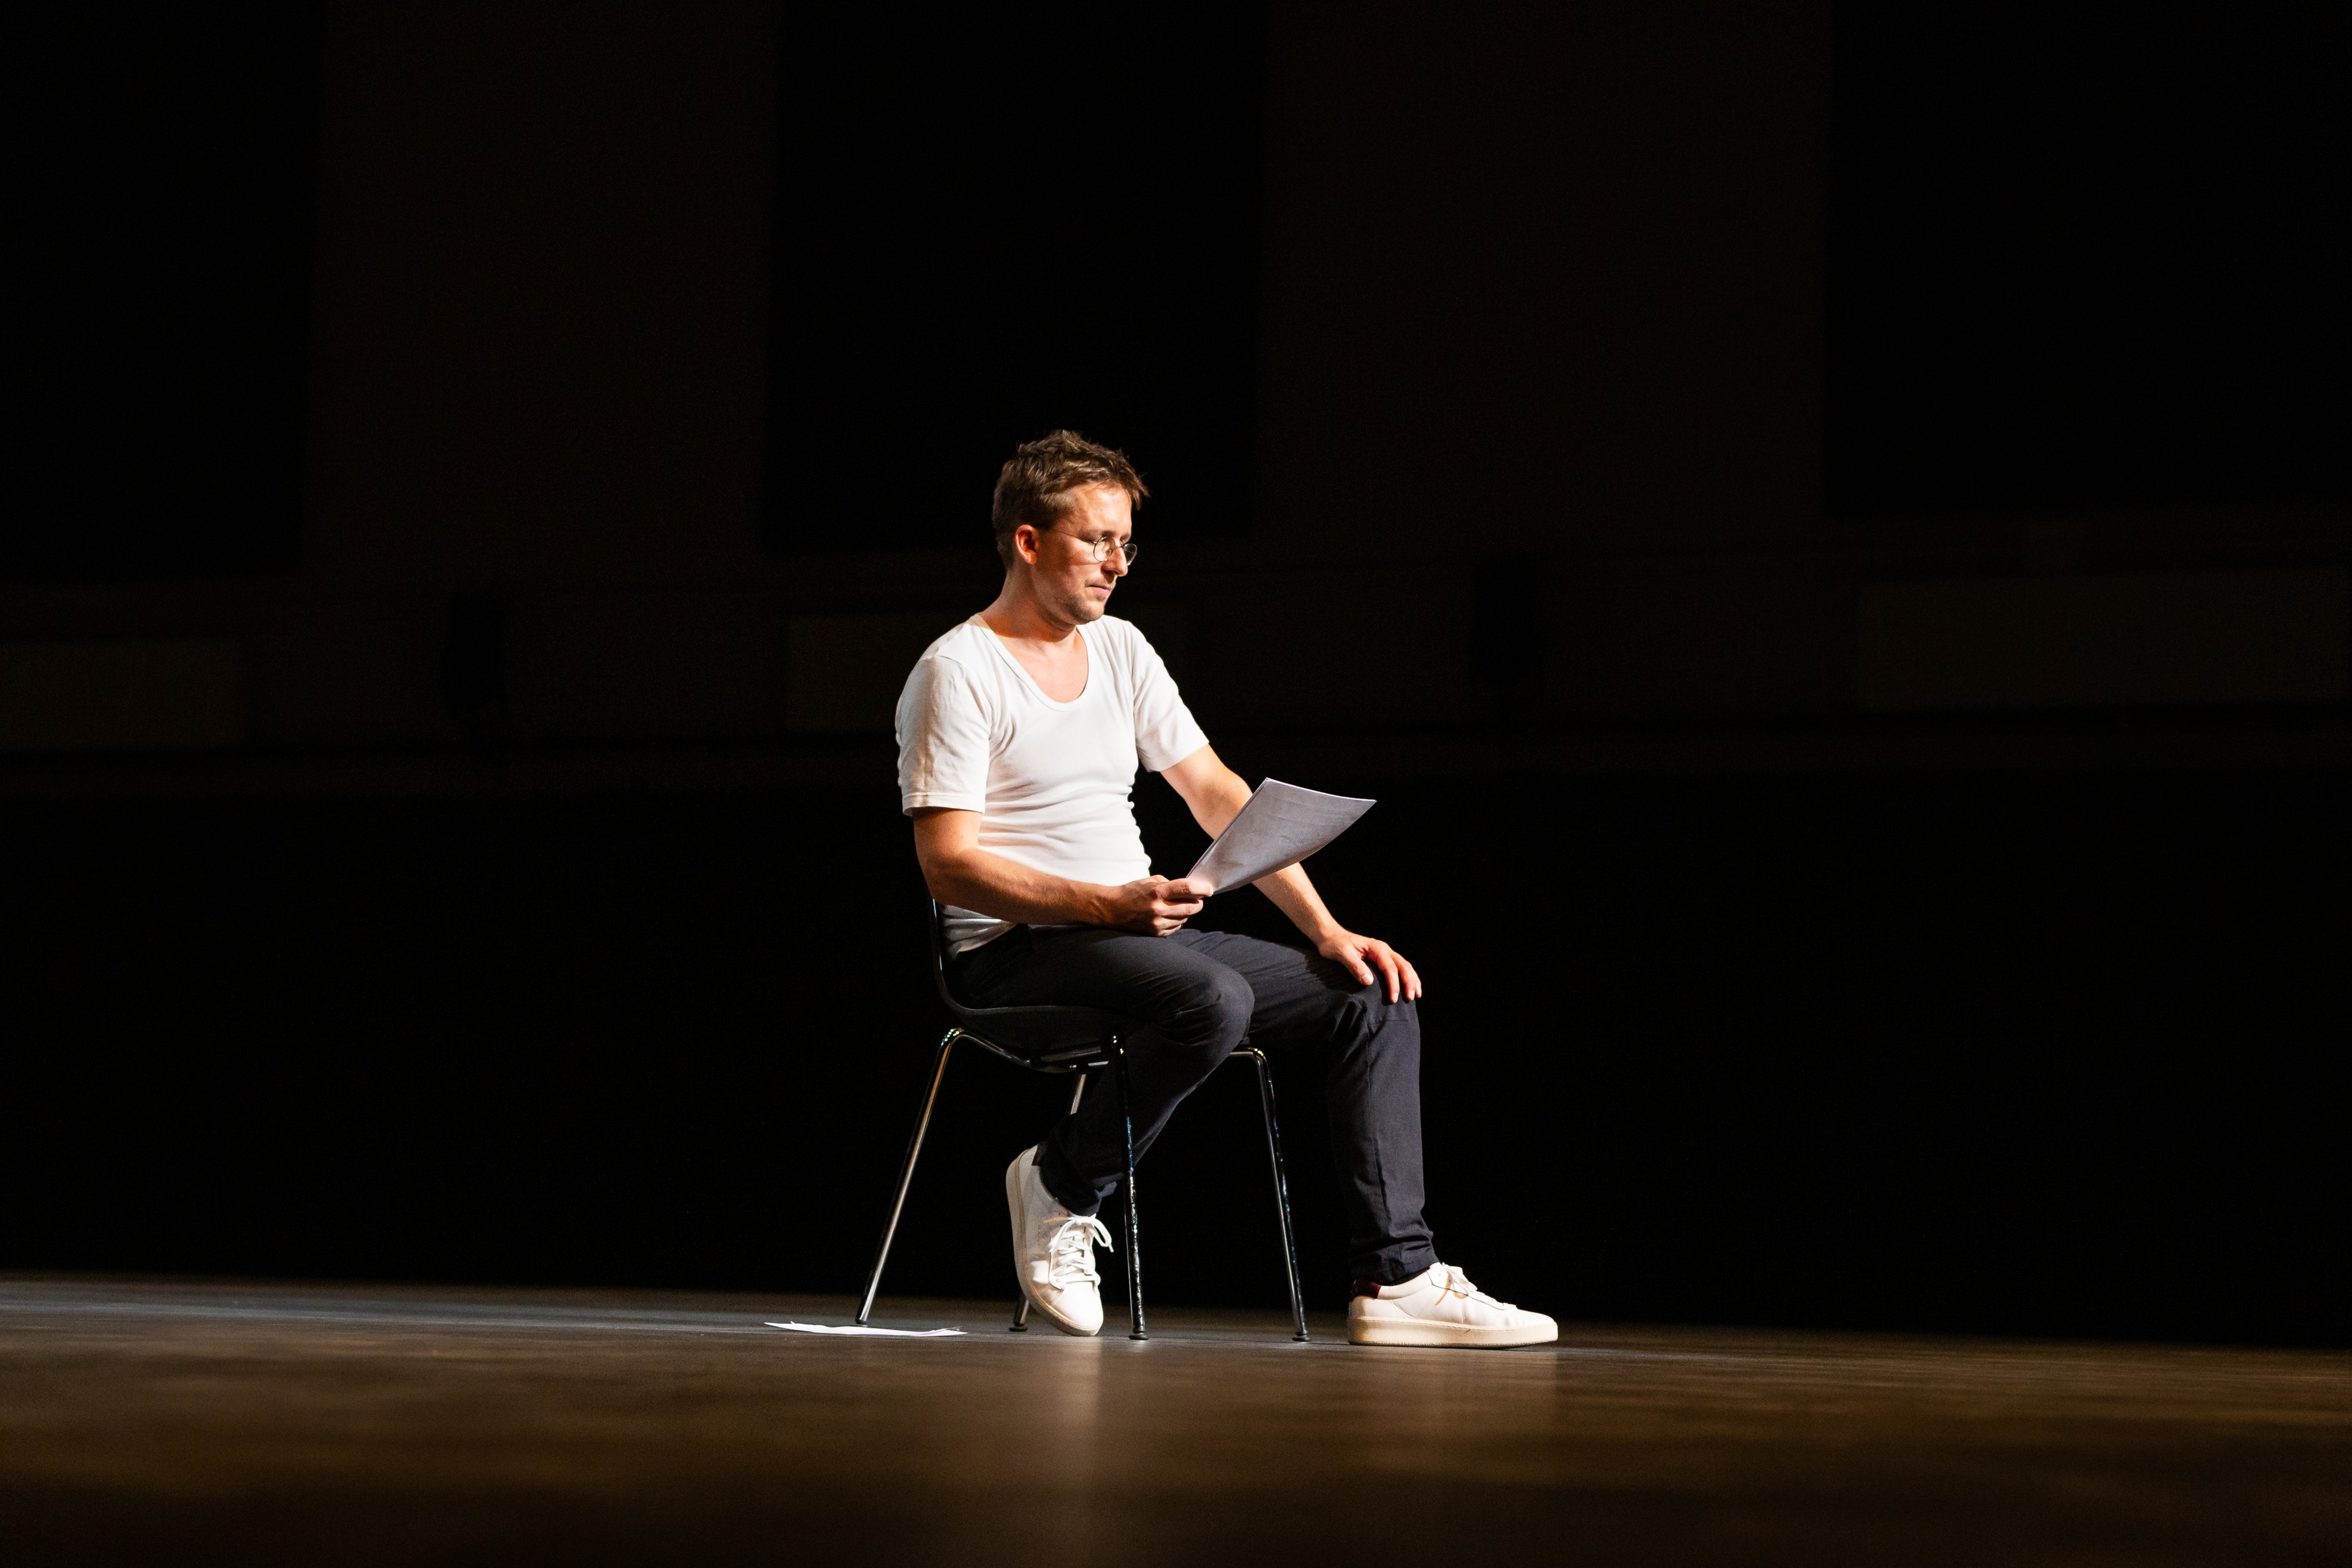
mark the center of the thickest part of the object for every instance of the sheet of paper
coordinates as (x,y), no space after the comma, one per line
(1281,826)
(860,1329)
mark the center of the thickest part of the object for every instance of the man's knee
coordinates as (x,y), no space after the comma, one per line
(1212,1012)
(1366,1017)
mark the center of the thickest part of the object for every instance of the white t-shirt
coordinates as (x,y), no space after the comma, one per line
(1051,780)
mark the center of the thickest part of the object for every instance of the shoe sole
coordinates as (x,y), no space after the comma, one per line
(1444,1336)
(1021,1255)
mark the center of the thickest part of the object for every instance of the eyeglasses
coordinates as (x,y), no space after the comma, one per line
(1103,546)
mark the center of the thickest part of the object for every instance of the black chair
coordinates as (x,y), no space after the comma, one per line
(1068,1039)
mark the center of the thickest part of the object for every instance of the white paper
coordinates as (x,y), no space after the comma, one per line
(862,1329)
(1281,825)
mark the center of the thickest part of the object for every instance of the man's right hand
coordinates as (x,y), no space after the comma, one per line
(1152,907)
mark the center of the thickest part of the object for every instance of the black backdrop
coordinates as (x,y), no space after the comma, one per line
(1023,217)
(2087,256)
(2022,1053)
(160,160)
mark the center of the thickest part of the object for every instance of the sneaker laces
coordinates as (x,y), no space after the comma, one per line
(1454,1283)
(1071,1252)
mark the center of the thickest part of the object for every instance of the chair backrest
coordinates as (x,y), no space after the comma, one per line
(939,961)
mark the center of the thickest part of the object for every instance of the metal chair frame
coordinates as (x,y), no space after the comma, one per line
(1074,1041)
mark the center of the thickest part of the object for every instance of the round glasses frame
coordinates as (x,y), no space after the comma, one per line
(1103,546)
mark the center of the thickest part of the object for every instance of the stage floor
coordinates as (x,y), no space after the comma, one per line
(197,1423)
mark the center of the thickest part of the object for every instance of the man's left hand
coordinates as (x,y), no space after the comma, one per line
(1362,956)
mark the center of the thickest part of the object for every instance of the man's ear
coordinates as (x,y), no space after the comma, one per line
(1024,542)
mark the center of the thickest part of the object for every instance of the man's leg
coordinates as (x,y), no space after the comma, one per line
(1189,1010)
(1372,1089)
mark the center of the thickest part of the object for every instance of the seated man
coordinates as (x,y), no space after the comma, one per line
(1019,733)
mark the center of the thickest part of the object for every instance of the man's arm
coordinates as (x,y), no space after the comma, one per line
(960,872)
(1216,795)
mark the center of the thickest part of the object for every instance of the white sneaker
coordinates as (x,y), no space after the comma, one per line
(1053,1250)
(1442,1308)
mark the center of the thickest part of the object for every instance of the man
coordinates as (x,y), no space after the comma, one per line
(1019,734)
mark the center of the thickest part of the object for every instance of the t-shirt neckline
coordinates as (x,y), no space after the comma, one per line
(1022,670)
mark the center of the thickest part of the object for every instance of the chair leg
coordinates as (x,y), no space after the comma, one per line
(1281,1192)
(1021,1314)
(1134,1224)
(907,1175)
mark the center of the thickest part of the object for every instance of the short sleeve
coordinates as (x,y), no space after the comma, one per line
(943,739)
(1165,731)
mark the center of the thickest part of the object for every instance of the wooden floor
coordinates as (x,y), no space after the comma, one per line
(192,1422)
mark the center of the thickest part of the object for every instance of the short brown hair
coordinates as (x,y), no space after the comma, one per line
(1029,489)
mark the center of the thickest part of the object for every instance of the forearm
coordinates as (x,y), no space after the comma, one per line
(1220,797)
(1296,896)
(1216,795)
(990,885)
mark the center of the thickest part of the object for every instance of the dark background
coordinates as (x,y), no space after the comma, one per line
(1039,217)
(2080,256)
(161,164)
(2018,1021)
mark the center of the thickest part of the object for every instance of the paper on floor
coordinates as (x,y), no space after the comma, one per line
(861,1328)
(1281,825)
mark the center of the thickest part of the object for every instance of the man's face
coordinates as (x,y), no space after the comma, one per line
(1069,579)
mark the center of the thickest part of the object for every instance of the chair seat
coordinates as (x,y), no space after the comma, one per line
(1047,1039)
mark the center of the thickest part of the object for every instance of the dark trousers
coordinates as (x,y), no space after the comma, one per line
(1193,995)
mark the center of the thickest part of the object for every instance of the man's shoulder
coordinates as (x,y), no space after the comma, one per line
(955,669)
(963,644)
